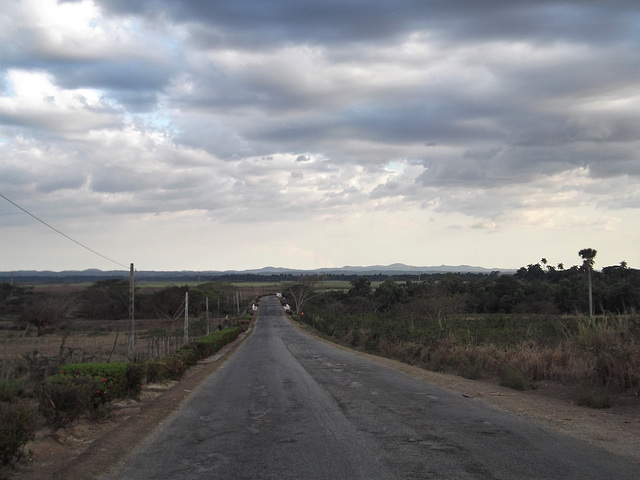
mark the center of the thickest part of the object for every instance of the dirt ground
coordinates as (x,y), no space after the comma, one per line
(88,449)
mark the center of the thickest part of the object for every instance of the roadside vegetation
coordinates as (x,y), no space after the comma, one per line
(518,329)
(64,350)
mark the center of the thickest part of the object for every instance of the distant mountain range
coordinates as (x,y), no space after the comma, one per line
(95,274)
(393,269)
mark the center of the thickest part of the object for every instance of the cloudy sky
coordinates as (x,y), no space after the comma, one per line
(201,135)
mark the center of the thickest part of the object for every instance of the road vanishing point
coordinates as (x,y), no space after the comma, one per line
(287,406)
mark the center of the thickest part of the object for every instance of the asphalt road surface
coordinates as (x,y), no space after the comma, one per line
(286,406)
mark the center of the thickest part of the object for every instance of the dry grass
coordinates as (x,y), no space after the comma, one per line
(86,341)
(600,353)
(89,344)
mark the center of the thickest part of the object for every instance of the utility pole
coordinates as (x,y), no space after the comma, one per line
(588,254)
(590,293)
(186,317)
(131,346)
(206,313)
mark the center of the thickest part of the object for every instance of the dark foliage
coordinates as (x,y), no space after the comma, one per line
(17,427)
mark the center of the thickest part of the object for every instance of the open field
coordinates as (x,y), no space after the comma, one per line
(342,285)
(90,341)
(246,289)
(98,345)
(255,288)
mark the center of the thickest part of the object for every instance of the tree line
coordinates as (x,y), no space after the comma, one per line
(537,288)
(109,300)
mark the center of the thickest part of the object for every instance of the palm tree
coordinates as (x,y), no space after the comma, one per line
(588,254)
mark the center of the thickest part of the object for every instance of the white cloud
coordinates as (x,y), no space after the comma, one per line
(37,103)
(362,141)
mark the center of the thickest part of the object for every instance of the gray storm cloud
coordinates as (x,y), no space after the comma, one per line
(289,108)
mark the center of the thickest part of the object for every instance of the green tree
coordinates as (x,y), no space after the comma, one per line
(197,298)
(46,312)
(388,294)
(508,292)
(621,286)
(169,301)
(221,296)
(360,287)
(12,298)
(106,299)
(588,255)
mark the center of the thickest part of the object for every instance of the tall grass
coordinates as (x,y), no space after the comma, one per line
(601,353)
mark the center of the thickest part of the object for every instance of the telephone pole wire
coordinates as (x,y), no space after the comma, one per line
(61,233)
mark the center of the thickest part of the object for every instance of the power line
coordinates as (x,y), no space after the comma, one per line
(58,231)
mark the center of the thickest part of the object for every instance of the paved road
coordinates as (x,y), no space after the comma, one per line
(286,406)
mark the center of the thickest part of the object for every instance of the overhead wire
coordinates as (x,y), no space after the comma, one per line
(61,233)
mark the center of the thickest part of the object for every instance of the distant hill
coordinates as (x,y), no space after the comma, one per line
(23,276)
(393,269)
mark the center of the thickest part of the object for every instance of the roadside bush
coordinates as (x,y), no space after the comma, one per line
(470,369)
(117,380)
(133,378)
(17,427)
(514,378)
(176,367)
(210,344)
(593,397)
(157,371)
(63,398)
(203,349)
(187,355)
(87,387)
(11,389)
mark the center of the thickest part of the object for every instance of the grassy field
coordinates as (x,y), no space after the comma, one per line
(91,341)
(254,288)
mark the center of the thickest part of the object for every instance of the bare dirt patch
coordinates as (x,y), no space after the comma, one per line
(89,450)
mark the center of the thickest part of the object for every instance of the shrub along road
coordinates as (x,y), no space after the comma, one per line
(288,406)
